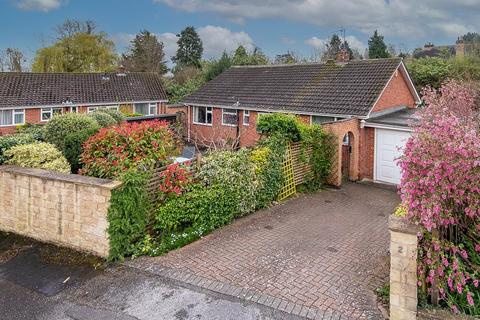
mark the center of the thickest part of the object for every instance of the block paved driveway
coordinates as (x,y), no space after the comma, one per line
(318,256)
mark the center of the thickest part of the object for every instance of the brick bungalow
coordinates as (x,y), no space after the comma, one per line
(35,97)
(346,98)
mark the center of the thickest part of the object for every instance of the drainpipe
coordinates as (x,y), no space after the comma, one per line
(188,123)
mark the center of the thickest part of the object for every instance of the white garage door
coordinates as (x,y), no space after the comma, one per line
(387,150)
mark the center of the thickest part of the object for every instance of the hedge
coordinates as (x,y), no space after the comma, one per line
(40,155)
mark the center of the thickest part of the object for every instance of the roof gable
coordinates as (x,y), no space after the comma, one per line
(45,89)
(345,89)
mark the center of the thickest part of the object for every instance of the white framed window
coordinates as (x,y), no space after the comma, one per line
(11,117)
(95,108)
(74,109)
(202,115)
(229,117)
(246,117)
(146,109)
(47,113)
(152,108)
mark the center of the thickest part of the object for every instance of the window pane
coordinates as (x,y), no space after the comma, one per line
(46,114)
(230,116)
(57,111)
(246,117)
(5,117)
(321,119)
(18,118)
(153,109)
(141,108)
(200,115)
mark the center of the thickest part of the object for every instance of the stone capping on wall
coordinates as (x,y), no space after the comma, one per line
(403,269)
(63,177)
(65,209)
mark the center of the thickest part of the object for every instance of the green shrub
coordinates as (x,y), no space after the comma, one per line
(128,214)
(74,147)
(102,118)
(270,175)
(204,208)
(40,155)
(116,115)
(7,142)
(286,125)
(61,125)
(233,171)
(37,131)
(321,157)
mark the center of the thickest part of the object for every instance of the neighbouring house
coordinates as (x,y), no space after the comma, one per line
(460,49)
(35,97)
(366,103)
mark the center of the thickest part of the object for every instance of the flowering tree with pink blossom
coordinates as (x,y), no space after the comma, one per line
(440,188)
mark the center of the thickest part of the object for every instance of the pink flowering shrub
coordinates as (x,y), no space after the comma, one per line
(441,189)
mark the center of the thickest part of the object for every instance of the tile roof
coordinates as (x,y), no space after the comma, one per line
(43,89)
(326,88)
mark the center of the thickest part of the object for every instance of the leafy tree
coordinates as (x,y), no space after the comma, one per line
(12,60)
(346,46)
(429,71)
(377,47)
(145,54)
(177,91)
(241,57)
(190,49)
(286,58)
(333,47)
(81,52)
(471,37)
(215,68)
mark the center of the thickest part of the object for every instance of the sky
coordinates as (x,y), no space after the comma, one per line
(275,26)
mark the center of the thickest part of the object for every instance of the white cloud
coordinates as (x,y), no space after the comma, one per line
(39,5)
(217,39)
(395,18)
(170,44)
(316,43)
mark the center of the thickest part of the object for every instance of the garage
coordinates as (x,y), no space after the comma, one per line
(389,145)
(392,131)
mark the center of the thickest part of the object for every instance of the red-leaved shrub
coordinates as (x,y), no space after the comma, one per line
(176,179)
(130,145)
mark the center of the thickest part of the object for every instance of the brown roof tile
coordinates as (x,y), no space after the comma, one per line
(347,89)
(42,89)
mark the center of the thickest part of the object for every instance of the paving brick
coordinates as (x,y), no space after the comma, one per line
(321,253)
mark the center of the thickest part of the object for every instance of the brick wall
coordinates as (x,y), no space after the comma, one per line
(68,210)
(340,129)
(367,153)
(217,131)
(395,94)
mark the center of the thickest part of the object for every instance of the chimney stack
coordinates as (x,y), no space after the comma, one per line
(343,55)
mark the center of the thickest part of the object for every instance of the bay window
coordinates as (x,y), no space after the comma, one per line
(10,117)
(202,115)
